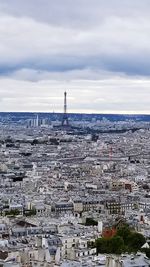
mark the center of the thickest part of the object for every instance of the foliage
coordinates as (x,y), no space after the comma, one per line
(12,212)
(124,232)
(101,245)
(90,221)
(146,251)
(116,244)
(31,212)
(125,240)
(110,245)
(136,241)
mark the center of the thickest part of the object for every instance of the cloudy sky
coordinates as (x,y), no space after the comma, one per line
(97,50)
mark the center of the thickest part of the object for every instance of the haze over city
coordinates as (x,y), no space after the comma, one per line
(96,50)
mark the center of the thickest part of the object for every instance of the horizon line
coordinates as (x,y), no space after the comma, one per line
(83,113)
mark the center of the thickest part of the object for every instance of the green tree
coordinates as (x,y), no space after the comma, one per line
(90,221)
(125,240)
(102,245)
(125,233)
(116,244)
(146,251)
(136,241)
(12,212)
(110,245)
(31,212)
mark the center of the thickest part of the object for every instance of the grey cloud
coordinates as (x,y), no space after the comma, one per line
(111,45)
(97,49)
(79,12)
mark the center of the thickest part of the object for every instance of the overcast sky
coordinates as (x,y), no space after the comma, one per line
(97,50)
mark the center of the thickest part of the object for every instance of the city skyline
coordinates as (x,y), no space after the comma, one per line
(98,51)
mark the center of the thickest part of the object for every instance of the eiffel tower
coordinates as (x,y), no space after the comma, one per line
(65,121)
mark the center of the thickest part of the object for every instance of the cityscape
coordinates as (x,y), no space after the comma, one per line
(67,183)
(74,133)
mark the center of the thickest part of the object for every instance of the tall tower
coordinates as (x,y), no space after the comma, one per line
(65,121)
